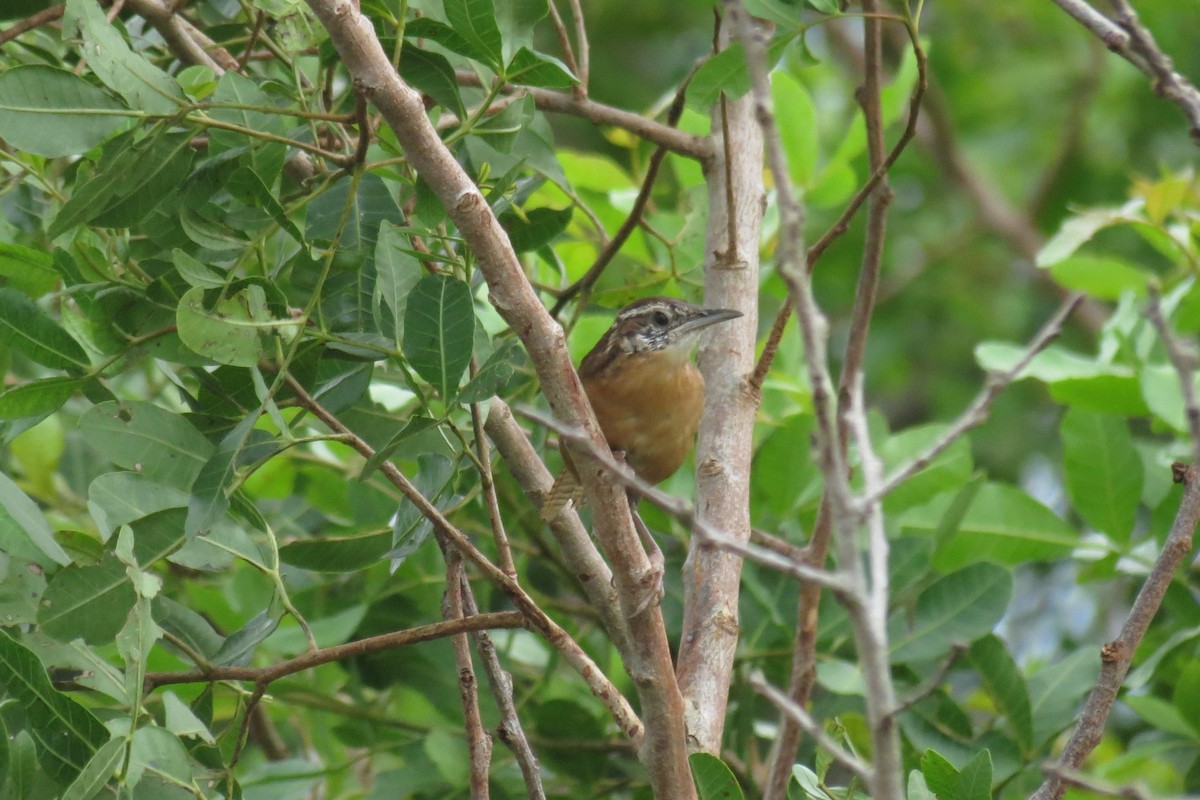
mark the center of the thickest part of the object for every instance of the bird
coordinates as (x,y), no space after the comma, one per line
(646,392)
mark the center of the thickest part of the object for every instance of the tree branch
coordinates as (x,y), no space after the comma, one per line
(509,729)
(596,680)
(810,726)
(577,547)
(977,412)
(1117,655)
(1129,38)
(648,658)
(43,17)
(360,647)
(725,441)
(706,533)
(677,141)
(583,286)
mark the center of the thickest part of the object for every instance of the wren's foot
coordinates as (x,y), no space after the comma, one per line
(651,589)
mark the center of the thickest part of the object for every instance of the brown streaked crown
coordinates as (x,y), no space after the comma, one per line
(652,324)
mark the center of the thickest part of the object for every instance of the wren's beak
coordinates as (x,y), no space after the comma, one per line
(709,316)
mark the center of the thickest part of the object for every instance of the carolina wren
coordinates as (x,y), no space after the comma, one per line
(645,390)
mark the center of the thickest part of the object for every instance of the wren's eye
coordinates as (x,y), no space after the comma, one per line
(660,319)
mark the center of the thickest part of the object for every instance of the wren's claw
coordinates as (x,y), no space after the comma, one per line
(651,589)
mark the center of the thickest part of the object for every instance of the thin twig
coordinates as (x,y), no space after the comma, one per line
(1126,36)
(1101,26)
(359,647)
(1184,359)
(1117,655)
(43,17)
(564,41)
(801,717)
(842,224)
(677,141)
(584,285)
(581,44)
(931,684)
(509,729)
(1077,779)
(495,519)
(479,743)
(977,412)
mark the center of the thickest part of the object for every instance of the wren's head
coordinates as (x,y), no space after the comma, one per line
(654,325)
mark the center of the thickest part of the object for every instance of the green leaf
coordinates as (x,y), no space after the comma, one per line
(956,609)
(239,648)
(439,330)
(714,780)
(726,72)
(940,775)
(539,227)
(532,68)
(1002,524)
(397,271)
(228,330)
(950,470)
(350,214)
(1186,695)
(1049,366)
(1162,715)
(1003,681)
(53,112)
(24,532)
(418,424)
(475,21)
(66,733)
(975,778)
(337,553)
(195,273)
(239,101)
(246,185)
(1103,278)
(182,721)
(118,498)
(132,179)
(158,444)
(410,528)
(441,33)
(37,398)
(496,372)
(781,12)
(209,498)
(1055,692)
(1102,471)
(31,271)
(432,74)
(159,762)
(796,116)
(88,602)
(99,770)
(187,626)
(917,787)
(722,72)
(142,85)
(1163,395)
(1078,229)
(28,329)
